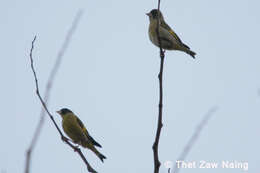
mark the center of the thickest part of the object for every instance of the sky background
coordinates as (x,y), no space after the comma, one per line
(108,77)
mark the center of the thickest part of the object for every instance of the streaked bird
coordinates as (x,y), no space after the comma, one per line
(169,39)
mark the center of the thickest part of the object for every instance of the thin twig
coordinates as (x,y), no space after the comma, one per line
(157,31)
(75,148)
(195,137)
(48,88)
(157,163)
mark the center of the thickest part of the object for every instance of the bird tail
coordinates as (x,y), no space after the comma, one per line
(100,156)
(190,52)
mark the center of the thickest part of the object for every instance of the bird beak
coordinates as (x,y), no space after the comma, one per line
(58,112)
(148,14)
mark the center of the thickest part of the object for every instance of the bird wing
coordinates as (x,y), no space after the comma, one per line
(94,142)
(165,25)
(86,133)
(81,125)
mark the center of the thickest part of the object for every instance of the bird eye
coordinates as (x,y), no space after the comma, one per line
(154,13)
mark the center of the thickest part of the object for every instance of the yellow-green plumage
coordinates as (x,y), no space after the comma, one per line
(169,39)
(77,132)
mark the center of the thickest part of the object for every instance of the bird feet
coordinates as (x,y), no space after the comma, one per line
(162,52)
(76,148)
(64,138)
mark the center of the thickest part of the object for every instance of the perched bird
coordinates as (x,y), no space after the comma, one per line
(77,132)
(169,39)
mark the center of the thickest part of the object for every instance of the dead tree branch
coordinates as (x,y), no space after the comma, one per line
(66,140)
(195,136)
(159,123)
(48,89)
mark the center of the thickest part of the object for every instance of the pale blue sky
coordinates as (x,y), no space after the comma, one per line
(109,79)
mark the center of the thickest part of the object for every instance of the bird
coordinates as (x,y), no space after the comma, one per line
(77,132)
(168,38)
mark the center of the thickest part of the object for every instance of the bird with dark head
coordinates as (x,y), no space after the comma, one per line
(77,132)
(64,111)
(168,38)
(154,14)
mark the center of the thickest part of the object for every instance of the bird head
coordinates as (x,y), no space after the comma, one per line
(153,15)
(64,111)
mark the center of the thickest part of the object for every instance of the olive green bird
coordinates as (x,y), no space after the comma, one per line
(77,132)
(169,39)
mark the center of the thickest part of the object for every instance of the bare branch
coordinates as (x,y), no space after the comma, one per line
(48,88)
(53,75)
(157,30)
(195,136)
(157,163)
(66,140)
